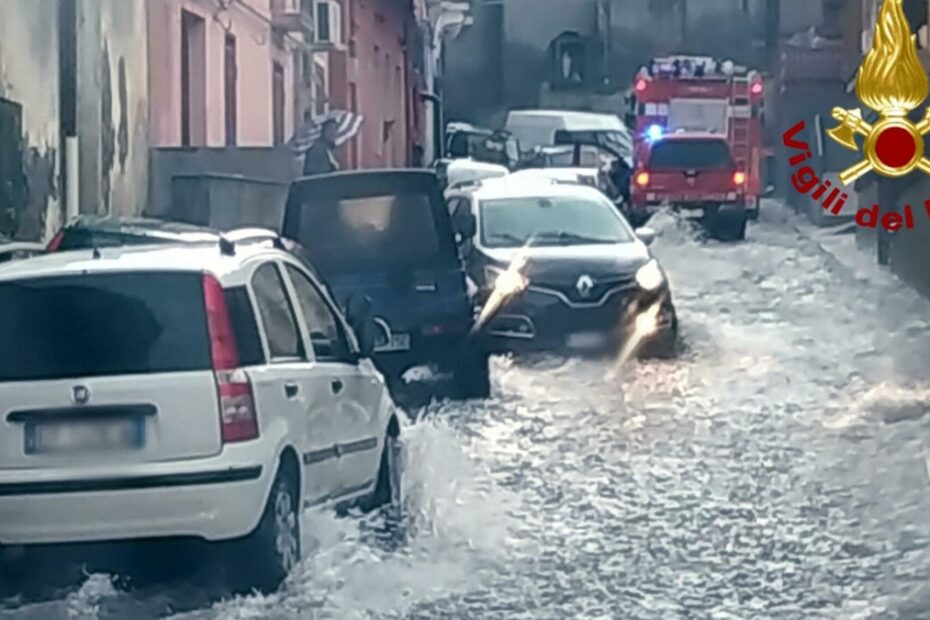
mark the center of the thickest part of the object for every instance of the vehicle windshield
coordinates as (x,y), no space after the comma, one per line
(372,232)
(691,154)
(95,325)
(536,220)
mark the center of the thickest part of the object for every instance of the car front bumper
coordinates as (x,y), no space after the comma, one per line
(541,320)
(213,499)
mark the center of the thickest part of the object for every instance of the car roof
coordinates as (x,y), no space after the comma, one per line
(691,135)
(139,225)
(574,119)
(199,257)
(529,186)
(560,172)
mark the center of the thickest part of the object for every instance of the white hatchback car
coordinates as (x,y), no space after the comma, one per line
(208,391)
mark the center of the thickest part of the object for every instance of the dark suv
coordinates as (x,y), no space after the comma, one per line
(387,236)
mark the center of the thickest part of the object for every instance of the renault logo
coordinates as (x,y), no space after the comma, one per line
(80,395)
(585,285)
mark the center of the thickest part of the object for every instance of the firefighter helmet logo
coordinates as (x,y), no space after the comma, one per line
(892,82)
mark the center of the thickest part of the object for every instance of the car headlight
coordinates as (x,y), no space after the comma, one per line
(505,281)
(650,276)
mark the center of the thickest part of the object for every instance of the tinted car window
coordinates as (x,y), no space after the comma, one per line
(102,324)
(80,239)
(384,231)
(248,340)
(691,155)
(326,334)
(276,313)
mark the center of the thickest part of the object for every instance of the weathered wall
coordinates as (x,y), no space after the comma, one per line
(474,64)
(637,31)
(112,106)
(28,78)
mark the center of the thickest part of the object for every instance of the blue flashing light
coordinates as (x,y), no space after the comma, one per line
(655,132)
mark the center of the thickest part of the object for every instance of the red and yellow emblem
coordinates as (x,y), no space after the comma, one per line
(892,82)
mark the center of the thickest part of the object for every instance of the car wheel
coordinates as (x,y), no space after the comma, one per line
(664,346)
(388,490)
(264,558)
(732,228)
(472,375)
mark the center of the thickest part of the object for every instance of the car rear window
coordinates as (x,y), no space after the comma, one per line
(691,154)
(102,324)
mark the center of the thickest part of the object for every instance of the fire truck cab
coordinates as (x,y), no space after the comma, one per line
(678,96)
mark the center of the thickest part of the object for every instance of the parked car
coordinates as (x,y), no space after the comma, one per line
(387,236)
(586,275)
(697,175)
(102,231)
(461,172)
(18,250)
(210,391)
(537,128)
(86,232)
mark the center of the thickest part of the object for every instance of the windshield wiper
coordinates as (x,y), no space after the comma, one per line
(507,237)
(567,236)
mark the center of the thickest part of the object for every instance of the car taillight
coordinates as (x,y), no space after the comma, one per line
(55,242)
(739,178)
(238,419)
(641,85)
(756,88)
(642,179)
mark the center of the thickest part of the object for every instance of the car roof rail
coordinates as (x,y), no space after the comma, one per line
(228,240)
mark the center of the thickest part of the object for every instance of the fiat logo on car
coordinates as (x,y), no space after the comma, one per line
(80,395)
(585,285)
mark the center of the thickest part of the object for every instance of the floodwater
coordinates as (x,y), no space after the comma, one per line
(775,470)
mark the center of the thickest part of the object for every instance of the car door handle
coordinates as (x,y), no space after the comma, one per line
(291,390)
(336,386)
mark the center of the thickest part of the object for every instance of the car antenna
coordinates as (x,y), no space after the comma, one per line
(96,253)
(227,247)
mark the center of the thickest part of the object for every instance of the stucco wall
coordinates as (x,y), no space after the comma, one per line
(112,106)
(256,52)
(380,78)
(28,77)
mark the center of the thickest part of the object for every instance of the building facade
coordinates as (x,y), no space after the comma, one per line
(221,74)
(373,73)
(533,52)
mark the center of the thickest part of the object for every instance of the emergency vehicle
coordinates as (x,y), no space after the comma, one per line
(698,94)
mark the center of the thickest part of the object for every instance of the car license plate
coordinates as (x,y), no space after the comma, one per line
(399,342)
(585,340)
(85,436)
(692,214)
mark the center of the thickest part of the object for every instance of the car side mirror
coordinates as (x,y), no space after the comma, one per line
(466,225)
(367,335)
(358,309)
(646,235)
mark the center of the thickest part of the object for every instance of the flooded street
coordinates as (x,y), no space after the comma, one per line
(775,470)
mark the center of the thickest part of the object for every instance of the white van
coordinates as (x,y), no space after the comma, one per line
(537,127)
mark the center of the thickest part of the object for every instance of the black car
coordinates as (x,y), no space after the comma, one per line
(559,268)
(386,236)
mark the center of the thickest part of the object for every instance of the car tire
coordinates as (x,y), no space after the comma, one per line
(664,346)
(388,489)
(263,559)
(732,228)
(472,375)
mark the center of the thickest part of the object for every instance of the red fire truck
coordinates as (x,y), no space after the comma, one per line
(698,94)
